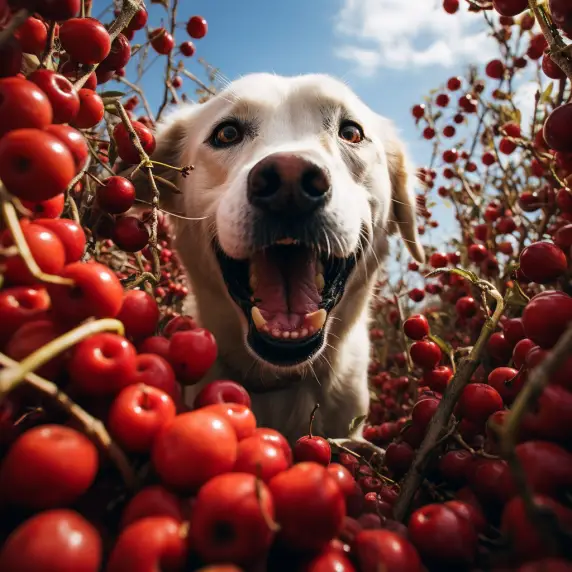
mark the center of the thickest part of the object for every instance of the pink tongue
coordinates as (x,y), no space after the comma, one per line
(286,289)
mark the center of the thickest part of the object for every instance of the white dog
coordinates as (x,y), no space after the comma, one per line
(295,185)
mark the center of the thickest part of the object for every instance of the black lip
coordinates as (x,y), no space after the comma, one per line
(283,352)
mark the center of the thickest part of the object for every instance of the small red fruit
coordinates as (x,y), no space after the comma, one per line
(187,49)
(546,317)
(510,7)
(197,27)
(416,327)
(192,353)
(312,447)
(61,93)
(478,401)
(451,6)
(139,314)
(376,548)
(495,69)
(32,35)
(116,196)
(261,458)
(161,41)
(437,379)
(153,500)
(125,147)
(73,140)
(222,391)
(426,354)
(239,416)
(556,133)
(70,234)
(91,109)
(85,39)
(543,262)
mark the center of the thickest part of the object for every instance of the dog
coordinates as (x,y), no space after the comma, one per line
(295,187)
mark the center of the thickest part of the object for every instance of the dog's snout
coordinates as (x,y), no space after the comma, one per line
(288,184)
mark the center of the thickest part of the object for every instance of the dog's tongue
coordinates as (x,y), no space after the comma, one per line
(285,286)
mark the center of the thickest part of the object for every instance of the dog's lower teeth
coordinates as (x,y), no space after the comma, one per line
(257,318)
(316,319)
(320,282)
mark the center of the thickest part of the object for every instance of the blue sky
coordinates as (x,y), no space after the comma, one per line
(391,52)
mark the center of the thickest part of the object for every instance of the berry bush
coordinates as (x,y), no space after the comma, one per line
(103,467)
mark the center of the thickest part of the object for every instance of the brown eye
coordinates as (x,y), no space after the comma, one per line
(351,132)
(226,135)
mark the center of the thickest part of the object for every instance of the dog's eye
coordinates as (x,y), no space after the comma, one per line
(227,134)
(351,132)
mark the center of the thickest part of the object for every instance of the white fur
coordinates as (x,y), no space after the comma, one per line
(215,193)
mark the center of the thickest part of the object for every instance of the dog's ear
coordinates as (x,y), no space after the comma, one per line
(171,136)
(404,205)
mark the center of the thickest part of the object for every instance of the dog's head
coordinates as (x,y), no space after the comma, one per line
(297,182)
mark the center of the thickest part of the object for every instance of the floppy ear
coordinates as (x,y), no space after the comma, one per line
(404,205)
(171,138)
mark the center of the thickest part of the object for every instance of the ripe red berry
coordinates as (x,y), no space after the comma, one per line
(466,307)
(451,6)
(303,485)
(155,542)
(230,520)
(139,314)
(543,262)
(85,39)
(187,49)
(125,147)
(60,92)
(208,443)
(130,234)
(561,15)
(46,248)
(153,500)
(416,327)
(73,140)
(23,105)
(506,146)
(423,411)
(70,234)
(477,252)
(442,536)
(537,46)
(58,9)
(139,20)
(32,35)
(450,155)
(374,548)
(222,391)
(454,83)
(438,260)
(478,401)
(137,414)
(437,379)
(96,292)
(556,133)
(546,317)
(197,27)
(161,41)
(118,56)
(454,466)
(275,438)
(507,381)
(551,69)
(91,109)
(50,208)
(416,294)
(239,416)
(495,69)
(426,354)
(442,100)
(261,458)
(314,449)
(48,466)
(510,7)
(51,538)
(192,353)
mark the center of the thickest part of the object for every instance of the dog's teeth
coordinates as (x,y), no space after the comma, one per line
(286,335)
(287,241)
(320,282)
(316,319)
(304,332)
(294,335)
(257,318)
(276,332)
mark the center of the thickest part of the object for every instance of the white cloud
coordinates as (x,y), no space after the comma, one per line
(524,101)
(409,33)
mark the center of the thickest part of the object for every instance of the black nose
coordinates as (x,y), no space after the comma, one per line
(288,184)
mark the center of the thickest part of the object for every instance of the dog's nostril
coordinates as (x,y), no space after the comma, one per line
(266,182)
(315,182)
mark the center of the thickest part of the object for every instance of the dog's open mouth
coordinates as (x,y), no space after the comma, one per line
(286,292)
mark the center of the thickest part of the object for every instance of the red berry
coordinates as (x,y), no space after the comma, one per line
(137,414)
(85,39)
(96,292)
(130,234)
(478,401)
(222,391)
(495,69)
(477,252)
(70,234)
(442,536)
(450,155)
(423,412)
(543,262)
(537,46)
(192,353)
(205,440)
(442,100)
(275,438)
(91,109)
(60,92)
(73,140)
(416,327)
(154,370)
(48,466)
(161,41)
(437,379)
(438,260)
(50,208)
(239,416)
(416,294)
(118,56)
(54,540)
(23,105)
(556,132)
(521,349)
(32,35)
(153,500)
(466,307)
(561,15)
(151,543)
(46,248)
(418,111)
(139,20)
(18,306)
(546,317)
(139,314)
(57,9)
(197,27)
(454,83)
(313,449)
(451,6)
(230,520)
(261,458)
(187,49)
(126,149)
(399,456)
(116,196)
(454,466)
(510,7)
(375,548)
(425,354)
(302,486)
(507,381)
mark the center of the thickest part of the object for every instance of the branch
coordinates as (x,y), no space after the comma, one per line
(169,66)
(440,419)
(91,426)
